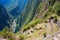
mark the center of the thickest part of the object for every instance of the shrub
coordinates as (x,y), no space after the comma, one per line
(51,2)
(21,37)
(44,34)
(57,8)
(10,39)
(6,33)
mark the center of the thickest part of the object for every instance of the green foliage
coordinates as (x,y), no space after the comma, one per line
(32,24)
(50,8)
(57,8)
(22,37)
(44,34)
(10,39)
(6,33)
(55,20)
(41,6)
(51,2)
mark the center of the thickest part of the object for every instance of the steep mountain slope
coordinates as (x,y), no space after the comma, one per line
(48,12)
(28,13)
(36,9)
(40,20)
(14,7)
(4,18)
(18,9)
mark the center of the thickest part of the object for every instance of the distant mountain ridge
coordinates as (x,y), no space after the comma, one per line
(17,11)
(4,18)
(10,15)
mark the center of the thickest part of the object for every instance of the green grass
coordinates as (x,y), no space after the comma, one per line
(32,24)
(52,10)
(57,8)
(8,34)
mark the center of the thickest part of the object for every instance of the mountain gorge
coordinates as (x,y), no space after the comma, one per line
(35,20)
(4,18)
(28,13)
(18,9)
(34,9)
(13,9)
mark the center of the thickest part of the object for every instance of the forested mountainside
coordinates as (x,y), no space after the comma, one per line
(13,8)
(36,9)
(17,10)
(5,19)
(46,22)
(28,13)
(43,11)
(39,20)
(16,7)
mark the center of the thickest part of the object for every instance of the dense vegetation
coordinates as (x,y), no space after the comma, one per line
(45,10)
(6,33)
(31,24)
(28,13)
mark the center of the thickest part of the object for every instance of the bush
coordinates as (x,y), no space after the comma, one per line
(51,2)
(21,37)
(57,8)
(44,34)
(10,39)
(6,33)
